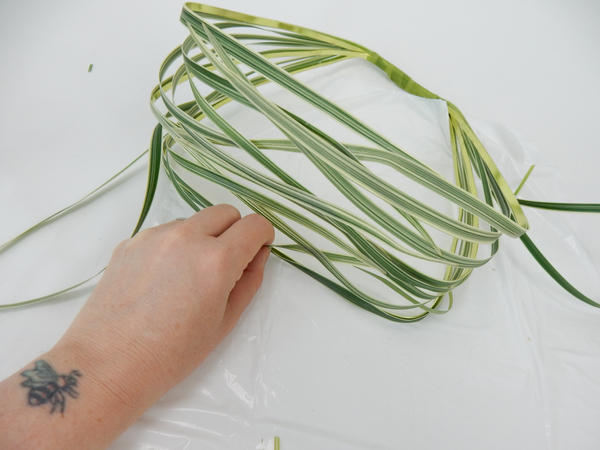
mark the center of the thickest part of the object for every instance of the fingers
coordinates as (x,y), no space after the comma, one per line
(222,219)
(212,221)
(239,239)
(246,237)
(245,289)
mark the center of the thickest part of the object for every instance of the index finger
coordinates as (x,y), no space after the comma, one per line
(246,237)
(214,220)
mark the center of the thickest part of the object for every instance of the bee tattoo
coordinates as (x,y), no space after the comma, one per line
(46,386)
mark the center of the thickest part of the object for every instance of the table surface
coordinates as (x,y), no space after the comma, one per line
(531,66)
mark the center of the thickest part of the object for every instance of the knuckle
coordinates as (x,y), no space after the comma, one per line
(229,210)
(261,220)
(174,238)
(258,221)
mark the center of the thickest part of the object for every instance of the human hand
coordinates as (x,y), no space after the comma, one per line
(168,296)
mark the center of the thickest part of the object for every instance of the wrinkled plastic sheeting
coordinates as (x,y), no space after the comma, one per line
(513,365)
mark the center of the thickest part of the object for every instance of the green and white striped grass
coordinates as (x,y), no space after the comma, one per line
(379,235)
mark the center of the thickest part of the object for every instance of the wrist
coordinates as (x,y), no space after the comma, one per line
(65,400)
(112,380)
(111,395)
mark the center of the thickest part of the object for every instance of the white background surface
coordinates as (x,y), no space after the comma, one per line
(514,366)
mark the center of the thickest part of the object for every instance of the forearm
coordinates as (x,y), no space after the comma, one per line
(167,298)
(88,415)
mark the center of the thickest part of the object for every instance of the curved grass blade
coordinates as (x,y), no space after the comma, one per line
(49,296)
(153,171)
(524,180)
(345,293)
(565,207)
(549,268)
(40,224)
(229,64)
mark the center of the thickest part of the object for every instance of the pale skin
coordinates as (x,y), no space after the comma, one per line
(166,300)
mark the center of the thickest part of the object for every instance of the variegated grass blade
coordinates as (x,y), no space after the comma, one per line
(379,234)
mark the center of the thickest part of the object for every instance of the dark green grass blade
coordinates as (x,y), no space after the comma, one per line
(340,290)
(566,207)
(153,171)
(542,261)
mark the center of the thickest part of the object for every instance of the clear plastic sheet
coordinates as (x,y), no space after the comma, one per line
(494,373)
(513,365)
